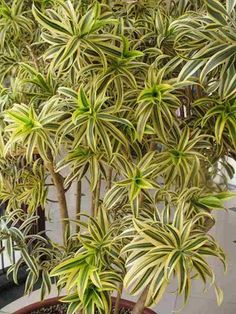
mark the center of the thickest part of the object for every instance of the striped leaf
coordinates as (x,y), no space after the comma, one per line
(217,59)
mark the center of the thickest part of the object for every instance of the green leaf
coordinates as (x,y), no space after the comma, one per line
(74,307)
(211,202)
(30,262)
(219,295)
(68,265)
(49,24)
(87,21)
(91,134)
(217,11)
(69,50)
(94,276)
(83,100)
(217,59)
(189,69)
(230,4)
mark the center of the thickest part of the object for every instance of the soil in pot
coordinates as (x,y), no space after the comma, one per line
(62,308)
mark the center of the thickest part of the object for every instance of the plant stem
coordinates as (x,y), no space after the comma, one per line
(92,203)
(58,182)
(208,224)
(190,98)
(199,92)
(35,61)
(96,197)
(140,304)
(182,113)
(109,178)
(78,202)
(118,298)
(153,144)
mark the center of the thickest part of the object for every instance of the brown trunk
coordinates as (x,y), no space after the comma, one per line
(78,202)
(58,182)
(140,305)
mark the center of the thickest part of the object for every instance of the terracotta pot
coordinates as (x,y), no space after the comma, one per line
(53,301)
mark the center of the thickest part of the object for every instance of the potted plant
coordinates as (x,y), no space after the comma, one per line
(138,99)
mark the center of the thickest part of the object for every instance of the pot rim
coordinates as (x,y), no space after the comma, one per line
(52,301)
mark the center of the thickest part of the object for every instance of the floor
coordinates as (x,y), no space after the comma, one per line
(200,302)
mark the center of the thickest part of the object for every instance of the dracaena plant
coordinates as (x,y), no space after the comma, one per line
(96,268)
(134,103)
(160,250)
